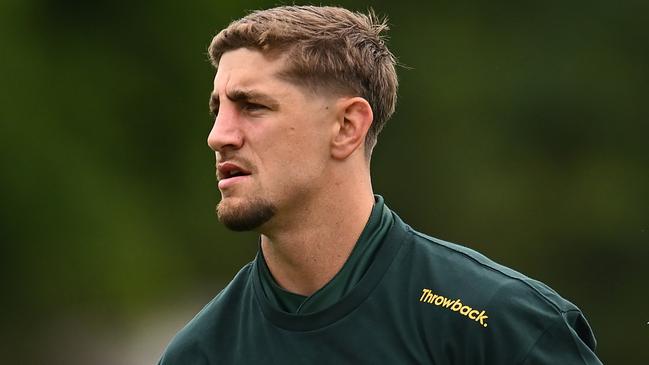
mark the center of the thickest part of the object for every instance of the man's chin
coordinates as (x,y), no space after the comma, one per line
(244,215)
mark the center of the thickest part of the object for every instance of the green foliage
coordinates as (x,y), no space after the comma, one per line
(520,131)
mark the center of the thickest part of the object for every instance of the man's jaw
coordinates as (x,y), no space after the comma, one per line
(240,214)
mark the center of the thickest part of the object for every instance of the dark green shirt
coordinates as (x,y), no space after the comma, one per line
(419,301)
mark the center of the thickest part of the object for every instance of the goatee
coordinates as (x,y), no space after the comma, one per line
(245,216)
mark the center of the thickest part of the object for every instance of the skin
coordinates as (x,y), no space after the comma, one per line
(305,155)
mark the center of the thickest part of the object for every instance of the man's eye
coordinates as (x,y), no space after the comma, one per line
(252,107)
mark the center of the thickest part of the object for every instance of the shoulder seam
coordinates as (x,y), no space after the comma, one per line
(535,290)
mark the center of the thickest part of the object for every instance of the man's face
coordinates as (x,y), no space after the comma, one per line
(271,138)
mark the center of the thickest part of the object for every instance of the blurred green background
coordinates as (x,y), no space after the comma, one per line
(521,131)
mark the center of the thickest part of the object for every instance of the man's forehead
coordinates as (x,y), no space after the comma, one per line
(257,73)
(250,87)
(245,68)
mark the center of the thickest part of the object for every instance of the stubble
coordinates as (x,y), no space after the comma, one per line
(245,216)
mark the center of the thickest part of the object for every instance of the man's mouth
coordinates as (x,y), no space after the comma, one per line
(229,170)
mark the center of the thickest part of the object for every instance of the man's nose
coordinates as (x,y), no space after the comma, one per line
(226,131)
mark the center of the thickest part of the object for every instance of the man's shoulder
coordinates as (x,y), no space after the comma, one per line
(502,311)
(211,322)
(458,270)
(234,291)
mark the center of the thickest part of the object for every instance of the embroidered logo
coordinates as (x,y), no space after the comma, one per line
(456,305)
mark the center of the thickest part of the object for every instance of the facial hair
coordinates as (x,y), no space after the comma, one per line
(245,216)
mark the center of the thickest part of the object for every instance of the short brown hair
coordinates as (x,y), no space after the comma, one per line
(328,48)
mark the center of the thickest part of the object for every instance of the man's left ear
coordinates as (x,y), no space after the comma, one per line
(353,121)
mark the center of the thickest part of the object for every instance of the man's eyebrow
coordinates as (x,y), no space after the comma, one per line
(240,95)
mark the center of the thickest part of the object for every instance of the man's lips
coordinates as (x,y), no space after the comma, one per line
(227,170)
(228,173)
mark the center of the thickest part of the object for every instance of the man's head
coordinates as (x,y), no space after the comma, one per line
(328,49)
(299,97)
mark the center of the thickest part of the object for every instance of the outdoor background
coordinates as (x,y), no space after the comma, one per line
(521,131)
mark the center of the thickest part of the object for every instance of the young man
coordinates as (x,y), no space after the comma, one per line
(300,95)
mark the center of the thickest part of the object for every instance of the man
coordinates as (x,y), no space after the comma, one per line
(300,95)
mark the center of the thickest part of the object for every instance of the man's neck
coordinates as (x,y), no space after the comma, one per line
(305,257)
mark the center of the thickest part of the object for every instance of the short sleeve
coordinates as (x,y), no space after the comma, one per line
(569,340)
(531,324)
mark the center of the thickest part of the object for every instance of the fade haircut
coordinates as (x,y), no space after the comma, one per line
(327,49)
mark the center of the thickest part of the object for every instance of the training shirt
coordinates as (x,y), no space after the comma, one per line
(420,300)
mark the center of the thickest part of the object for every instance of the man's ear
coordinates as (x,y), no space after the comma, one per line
(353,121)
